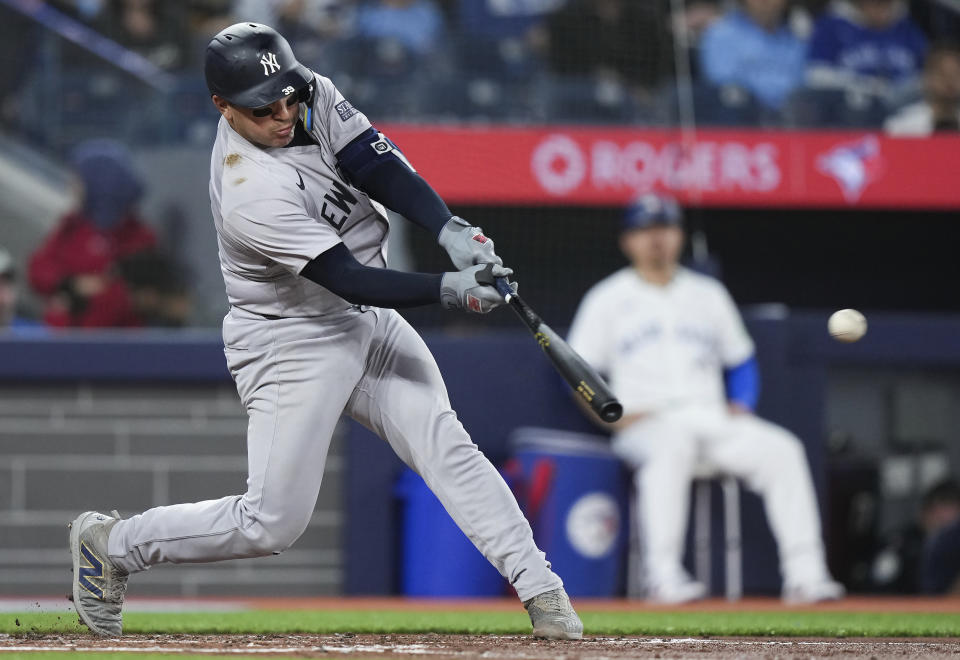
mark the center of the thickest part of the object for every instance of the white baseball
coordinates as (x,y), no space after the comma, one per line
(847,325)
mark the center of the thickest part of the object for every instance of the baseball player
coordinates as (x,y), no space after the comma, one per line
(298,184)
(678,357)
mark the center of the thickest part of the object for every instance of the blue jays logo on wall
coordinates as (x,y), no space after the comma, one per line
(853,165)
(593,524)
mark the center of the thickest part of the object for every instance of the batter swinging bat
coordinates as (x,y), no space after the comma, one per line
(578,374)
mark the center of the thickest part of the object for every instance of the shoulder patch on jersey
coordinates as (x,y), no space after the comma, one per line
(231,160)
(345,110)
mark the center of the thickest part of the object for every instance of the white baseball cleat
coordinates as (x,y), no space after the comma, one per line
(553,617)
(98,586)
(813,592)
(675,593)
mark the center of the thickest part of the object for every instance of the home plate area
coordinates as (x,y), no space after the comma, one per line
(486,646)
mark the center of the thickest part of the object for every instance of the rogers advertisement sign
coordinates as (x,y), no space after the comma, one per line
(607,167)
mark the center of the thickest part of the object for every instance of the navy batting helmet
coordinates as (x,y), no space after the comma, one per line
(252,65)
(651,210)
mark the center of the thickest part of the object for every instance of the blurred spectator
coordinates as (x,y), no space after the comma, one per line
(209,17)
(937,21)
(158,293)
(10,296)
(299,20)
(155,29)
(75,269)
(19,44)
(690,25)
(504,18)
(755,48)
(417,25)
(940,568)
(940,108)
(621,39)
(868,46)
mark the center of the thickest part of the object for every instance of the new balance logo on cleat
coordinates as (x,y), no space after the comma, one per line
(98,585)
(91,570)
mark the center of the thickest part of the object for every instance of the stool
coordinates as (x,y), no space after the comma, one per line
(732,544)
(733,552)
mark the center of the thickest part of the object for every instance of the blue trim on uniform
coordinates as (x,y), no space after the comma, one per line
(743,383)
(375,165)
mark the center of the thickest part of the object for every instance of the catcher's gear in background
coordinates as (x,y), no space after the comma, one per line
(472,288)
(467,245)
(252,65)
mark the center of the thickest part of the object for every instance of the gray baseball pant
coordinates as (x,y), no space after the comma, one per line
(295,377)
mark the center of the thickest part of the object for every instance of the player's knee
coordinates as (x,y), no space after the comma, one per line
(785,448)
(271,534)
(274,538)
(677,455)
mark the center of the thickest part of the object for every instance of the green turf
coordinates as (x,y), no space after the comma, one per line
(812,624)
(63,655)
(88,655)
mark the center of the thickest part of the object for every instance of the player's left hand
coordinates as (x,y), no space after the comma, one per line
(472,288)
(467,245)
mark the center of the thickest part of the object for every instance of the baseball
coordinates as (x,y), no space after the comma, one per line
(847,325)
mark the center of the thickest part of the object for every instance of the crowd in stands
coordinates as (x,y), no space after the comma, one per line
(102,265)
(795,63)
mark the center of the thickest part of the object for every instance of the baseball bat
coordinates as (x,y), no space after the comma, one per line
(578,374)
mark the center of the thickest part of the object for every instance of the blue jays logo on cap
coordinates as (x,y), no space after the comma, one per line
(651,210)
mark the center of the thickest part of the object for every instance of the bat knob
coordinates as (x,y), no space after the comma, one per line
(503,286)
(611,411)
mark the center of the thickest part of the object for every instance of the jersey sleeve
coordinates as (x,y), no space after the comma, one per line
(333,120)
(588,334)
(281,231)
(823,46)
(736,346)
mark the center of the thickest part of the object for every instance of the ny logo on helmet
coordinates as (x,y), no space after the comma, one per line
(270,64)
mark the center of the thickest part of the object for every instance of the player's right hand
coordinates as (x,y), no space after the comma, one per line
(463,290)
(466,244)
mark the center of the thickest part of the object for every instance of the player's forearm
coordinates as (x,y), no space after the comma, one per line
(339,272)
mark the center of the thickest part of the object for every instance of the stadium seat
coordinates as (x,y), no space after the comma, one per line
(486,56)
(726,105)
(833,108)
(472,99)
(584,100)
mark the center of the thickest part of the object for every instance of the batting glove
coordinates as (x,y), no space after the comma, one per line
(466,245)
(472,288)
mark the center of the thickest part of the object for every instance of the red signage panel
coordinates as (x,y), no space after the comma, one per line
(609,166)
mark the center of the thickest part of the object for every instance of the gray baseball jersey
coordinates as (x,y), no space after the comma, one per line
(302,356)
(276,209)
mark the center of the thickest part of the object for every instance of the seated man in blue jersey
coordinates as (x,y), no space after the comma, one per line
(868,46)
(754,47)
(677,355)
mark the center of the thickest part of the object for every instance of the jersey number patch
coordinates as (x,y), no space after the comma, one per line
(339,198)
